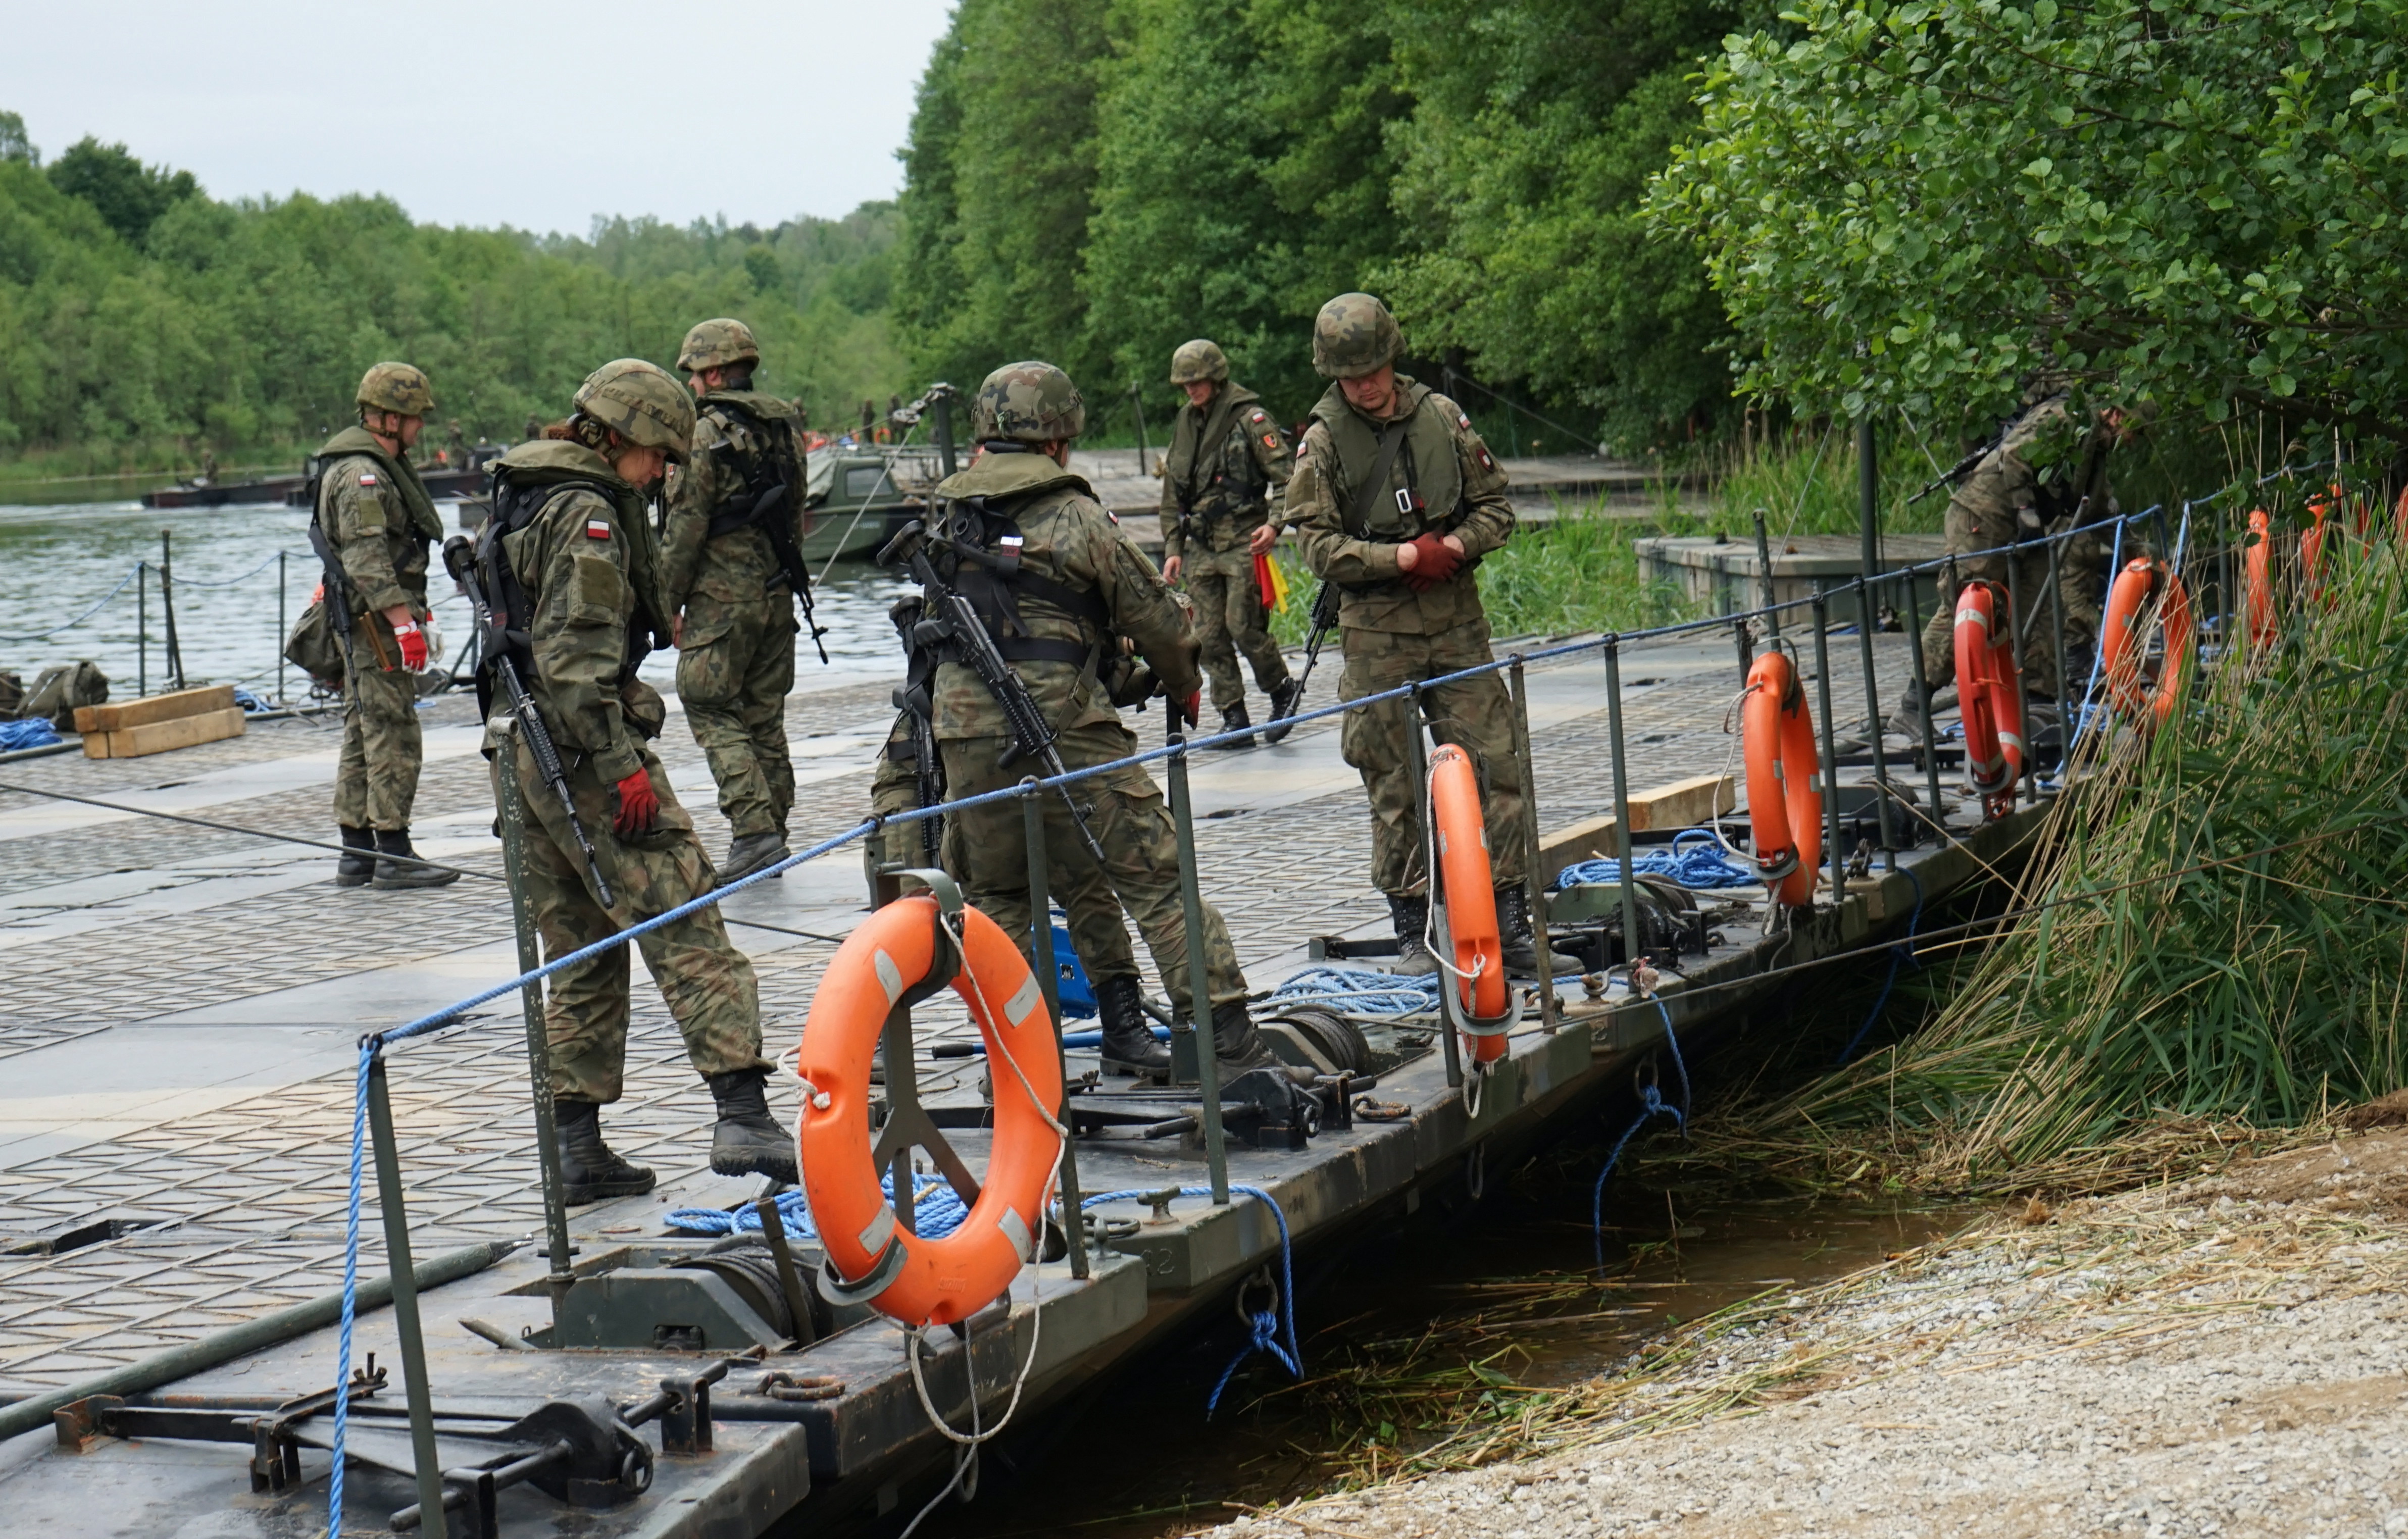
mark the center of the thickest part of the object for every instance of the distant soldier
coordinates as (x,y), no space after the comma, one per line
(1228,461)
(869,421)
(379,521)
(534,428)
(1396,499)
(736,519)
(1078,585)
(570,547)
(456,443)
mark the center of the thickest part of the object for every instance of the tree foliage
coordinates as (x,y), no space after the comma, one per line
(2201,200)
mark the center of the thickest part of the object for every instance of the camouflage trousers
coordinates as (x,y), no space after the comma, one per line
(734,672)
(2082,578)
(1475,714)
(706,982)
(987,849)
(1229,620)
(1097,933)
(376,779)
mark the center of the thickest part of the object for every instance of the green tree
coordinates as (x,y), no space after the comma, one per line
(129,194)
(14,145)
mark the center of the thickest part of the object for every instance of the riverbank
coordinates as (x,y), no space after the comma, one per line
(2221,1355)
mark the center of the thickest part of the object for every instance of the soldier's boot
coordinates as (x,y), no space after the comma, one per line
(589,1172)
(1285,696)
(1239,1046)
(749,854)
(394,876)
(1129,1046)
(1410,917)
(749,1141)
(1236,719)
(1513,929)
(358,863)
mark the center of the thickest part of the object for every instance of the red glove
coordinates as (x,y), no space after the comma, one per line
(1434,561)
(413,644)
(1190,706)
(639,809)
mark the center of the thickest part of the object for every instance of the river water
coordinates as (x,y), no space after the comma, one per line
(59,562)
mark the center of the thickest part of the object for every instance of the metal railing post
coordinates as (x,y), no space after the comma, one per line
(1873,722)
(2057,641)
(1746,645)
(1631,947)
(280,696)
(1830,756)
(2023,694)
(174,669)
(1040,924)
(559,1252)
(1200,982)
(405,1302)
(1764,579)
(141,628)
(1533,878)
(1923,706)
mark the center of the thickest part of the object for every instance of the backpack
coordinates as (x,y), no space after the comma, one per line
(59,691)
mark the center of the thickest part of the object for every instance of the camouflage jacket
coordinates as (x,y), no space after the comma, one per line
(738,565)
(1068,539)
(1441,461)
(378,517)
(1225,465)
(588,565)
(2006,498)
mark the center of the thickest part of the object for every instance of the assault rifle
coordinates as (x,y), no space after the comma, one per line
(493,652)
(952,624)
(770,516)
(337,600)
(928,774)
(1324,619)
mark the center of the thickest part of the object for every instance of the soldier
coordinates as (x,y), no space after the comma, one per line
(1078,585)
(534,427)
(570,547)
(1396,499)
(377,519)
(1226,460)
(2005,500)
(456,443)
(731,589)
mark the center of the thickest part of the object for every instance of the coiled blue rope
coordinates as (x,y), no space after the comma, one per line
(1902,951)
(1267,1326)
(45,636)
(1361,990)
(1651,1104)
(1703,865)
(937,1211)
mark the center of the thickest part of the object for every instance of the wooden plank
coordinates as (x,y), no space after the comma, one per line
(1682,804)
(156,707)
(184,732)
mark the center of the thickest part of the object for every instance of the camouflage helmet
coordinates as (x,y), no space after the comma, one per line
(1198,360)
(1353,336)
(642,403)
(396,388)
(713,344)
(1029,403)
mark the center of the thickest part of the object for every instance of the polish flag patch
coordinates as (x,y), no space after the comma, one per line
(597,529)
(1013,541)
(368,477)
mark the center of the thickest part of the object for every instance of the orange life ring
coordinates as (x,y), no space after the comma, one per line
(1784,780)
(1987,694)
(1472,927)
(2399,515)
(892,953)
(2120,641)
(2312,547)
(2258,577)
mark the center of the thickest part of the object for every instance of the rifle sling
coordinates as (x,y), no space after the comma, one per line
(1392,438)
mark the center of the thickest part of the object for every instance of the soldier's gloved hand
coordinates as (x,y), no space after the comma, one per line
(1190,706)
(413,644)
(639,806)
(1434,561)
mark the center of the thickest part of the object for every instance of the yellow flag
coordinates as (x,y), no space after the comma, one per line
(1271,582)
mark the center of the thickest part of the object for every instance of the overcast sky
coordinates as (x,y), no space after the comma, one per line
(499,113)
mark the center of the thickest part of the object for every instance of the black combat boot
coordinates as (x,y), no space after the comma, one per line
(589,1172)
(749,854)
(1236,719)
(1410,917)
(1240,1048)
(749,1141)
(1514,928)
(392,875)
(359,857)
(1129,1046)
(1285,696)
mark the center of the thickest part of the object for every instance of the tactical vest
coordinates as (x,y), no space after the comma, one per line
(976,551)
(521,496)
(425,524)
(1431,495)
(776,461)
(1221,463)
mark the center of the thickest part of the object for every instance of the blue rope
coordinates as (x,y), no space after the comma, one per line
(229,583)
(1651,1104)
(1267,1326)
(1902,951)
(32,732)
(937,1211)
(351,1294)
(45,636)
(1701,866)
(1361,990)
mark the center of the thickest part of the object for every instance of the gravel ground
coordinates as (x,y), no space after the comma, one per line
(2226,1357)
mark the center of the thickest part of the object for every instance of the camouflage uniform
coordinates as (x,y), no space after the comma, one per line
(2003,500)
(1391,635)
(378,519)
(736,657)
(591,576)
(1226,462)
